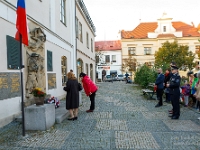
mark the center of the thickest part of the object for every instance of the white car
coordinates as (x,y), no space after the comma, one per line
(120,77)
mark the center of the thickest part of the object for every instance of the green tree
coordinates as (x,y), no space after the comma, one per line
(129,64)
(172,52)
(145,75)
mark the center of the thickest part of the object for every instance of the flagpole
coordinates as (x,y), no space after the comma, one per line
(22,89)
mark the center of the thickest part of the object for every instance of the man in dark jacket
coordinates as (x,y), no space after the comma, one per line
(160,86)
(174,90)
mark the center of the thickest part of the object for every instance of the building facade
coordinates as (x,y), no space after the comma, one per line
(108,58)
(85,35)
(50,55)
(143,41)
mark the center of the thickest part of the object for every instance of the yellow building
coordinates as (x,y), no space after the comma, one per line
(143,41)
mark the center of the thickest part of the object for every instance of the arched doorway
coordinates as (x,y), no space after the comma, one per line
(79,67)
(91,71)
(103,74)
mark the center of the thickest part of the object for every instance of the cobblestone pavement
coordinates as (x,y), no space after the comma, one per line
(123,119)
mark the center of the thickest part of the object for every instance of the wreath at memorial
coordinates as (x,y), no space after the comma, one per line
(37,92)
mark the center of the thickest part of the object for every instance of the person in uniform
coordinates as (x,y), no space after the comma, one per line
(174,90)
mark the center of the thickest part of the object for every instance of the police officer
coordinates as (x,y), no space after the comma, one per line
(174,90)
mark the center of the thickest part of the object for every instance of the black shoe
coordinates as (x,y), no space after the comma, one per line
(70,119)
(158,105)
(175,117)
(75,118)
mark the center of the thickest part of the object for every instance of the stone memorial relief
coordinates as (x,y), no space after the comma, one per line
(35,59)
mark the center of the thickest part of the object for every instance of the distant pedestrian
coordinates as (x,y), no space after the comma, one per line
(72,98)
(90,89)
(174,90)
(160,87)
(126,75)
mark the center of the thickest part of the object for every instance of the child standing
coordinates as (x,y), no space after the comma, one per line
(186,92)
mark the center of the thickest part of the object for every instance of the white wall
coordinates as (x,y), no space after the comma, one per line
(60,40)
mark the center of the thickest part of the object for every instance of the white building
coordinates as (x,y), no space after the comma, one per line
(50,55)
(108,58)
(85,34)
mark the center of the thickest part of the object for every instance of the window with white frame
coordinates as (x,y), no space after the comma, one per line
(114,58)
(107,58)
(80,32)
(147,50)
(63,11)
(77,27)
(87,69)
(164,29)
(132,51)
(91,45)
(64,69)
(87,39)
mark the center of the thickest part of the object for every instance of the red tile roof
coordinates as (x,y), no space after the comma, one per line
(108,45)
(141,31)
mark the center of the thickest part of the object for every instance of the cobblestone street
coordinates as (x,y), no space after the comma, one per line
(123,119)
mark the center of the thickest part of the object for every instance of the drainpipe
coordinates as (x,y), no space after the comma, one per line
(75,47)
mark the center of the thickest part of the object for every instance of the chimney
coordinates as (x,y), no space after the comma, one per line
(192,24)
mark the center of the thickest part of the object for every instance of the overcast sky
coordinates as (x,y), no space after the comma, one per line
(110,16)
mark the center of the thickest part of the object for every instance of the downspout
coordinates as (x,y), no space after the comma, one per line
(75,40)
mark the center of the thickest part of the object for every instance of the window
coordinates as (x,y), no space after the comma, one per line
(63,11)
(49,61)
(87,69)
(80,32)
(97,59)
(197,48)
(164,29)
(147,50)
(91,45)
(113,58)
(13,53)
(107,58)
(77,27)
(131,50)
(64,69)
(87,39)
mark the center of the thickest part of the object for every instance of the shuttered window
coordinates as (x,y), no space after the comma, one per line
(49,61)
(13,53)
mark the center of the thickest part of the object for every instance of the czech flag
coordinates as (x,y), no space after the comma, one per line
(21,23)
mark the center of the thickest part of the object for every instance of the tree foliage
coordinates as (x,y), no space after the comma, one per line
(129,64)
(172,52)
(145,75)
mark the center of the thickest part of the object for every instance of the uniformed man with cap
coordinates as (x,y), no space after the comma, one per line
(174,90)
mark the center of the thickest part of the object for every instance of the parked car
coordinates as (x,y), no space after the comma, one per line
(108,78)
(120,77)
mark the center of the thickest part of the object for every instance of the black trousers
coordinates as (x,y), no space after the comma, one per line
(175,104)
(92,99)
(159,93)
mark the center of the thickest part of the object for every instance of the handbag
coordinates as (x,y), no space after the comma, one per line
(80,87)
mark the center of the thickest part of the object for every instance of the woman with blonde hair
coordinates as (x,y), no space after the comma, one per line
(72,97)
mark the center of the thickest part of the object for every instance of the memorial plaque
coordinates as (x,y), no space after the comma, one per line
(9,85)
(51,80)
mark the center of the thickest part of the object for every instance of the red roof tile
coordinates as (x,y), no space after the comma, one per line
(108,45)
(141,31)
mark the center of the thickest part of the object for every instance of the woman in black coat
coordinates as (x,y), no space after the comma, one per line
(72,98)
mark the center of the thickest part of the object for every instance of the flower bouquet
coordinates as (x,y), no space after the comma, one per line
(39,96)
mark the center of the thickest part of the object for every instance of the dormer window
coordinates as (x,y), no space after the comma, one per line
(164,29)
